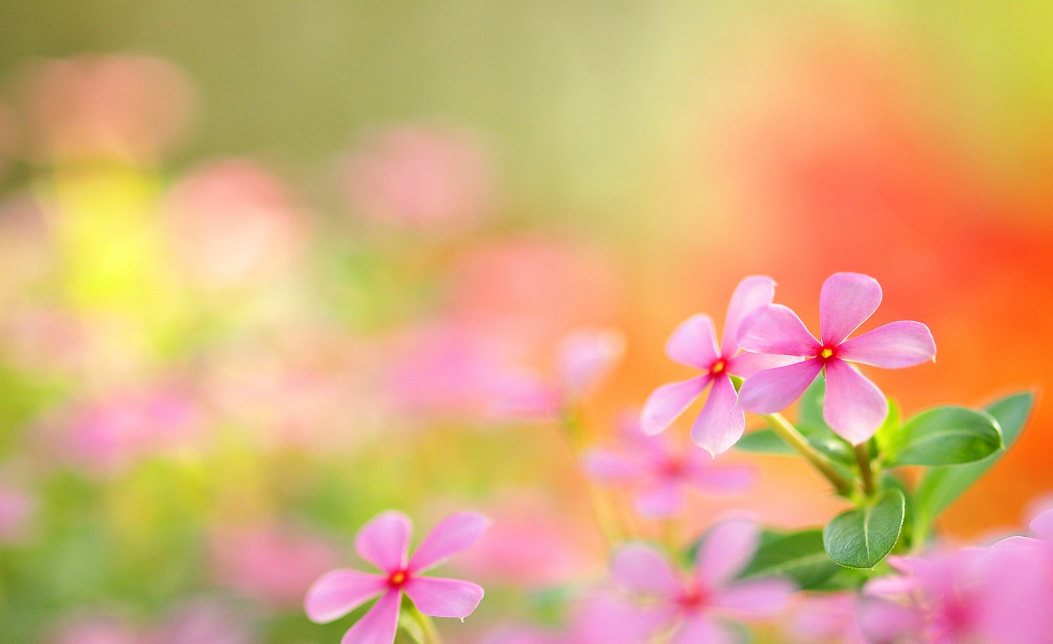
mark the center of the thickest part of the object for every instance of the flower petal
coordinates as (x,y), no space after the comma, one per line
(773,390)
(1042,525)
(846,301)
(755,598)
(378,626)
(751,294)
(663,501)
(727,479)
(697,629)
(854,406)
(608,465)
(746,364)
(776,329)
(339,592)
(694,343)
(440,597)
(726,550)
(892,346)
(384,541)
(721,422)
(641,568)
(454,534)
(666,403)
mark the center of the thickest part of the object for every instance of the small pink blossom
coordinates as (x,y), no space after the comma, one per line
(420,177)
(17,508)
(854,407)
(694,344)
(384,542)
(660,472)
(686,608)
(845,618)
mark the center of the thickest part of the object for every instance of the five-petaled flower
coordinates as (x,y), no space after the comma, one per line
(694,344)
(659,472)
(384,542)
(683,610)
(854,406)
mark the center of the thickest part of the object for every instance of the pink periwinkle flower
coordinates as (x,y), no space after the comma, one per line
(384,542)
(688,607)
(198,622)
(422,178)
(845,618)
(273,565)
(694,344)
(854,406)
(660,472)
(992,595)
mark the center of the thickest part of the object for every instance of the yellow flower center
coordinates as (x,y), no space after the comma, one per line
(826,352)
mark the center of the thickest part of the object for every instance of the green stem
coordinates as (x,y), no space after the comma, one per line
(431,634)
(789,433)
(865,471)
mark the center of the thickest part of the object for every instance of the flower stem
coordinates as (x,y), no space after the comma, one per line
(789,433)
(865,471)
(431,634)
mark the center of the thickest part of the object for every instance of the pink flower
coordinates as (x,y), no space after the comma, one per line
(854,406)
(384,542)
(694,344)
(423,178)
(686,607)
(660,472)
(17,509)
(845,618)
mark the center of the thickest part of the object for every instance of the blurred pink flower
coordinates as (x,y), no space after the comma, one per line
(845,618)
(198,622)
(130,108)
(854,407)
(687,607)
(17,508)
(106,435)
(421,177)
(531,544)
(230,221)
(584,358)
(660,472)
(97,630)
(384,542)
(273,565)
(525,635)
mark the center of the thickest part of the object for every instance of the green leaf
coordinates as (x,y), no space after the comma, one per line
(940,487)
(798,556)
(861,538)
(945,436)
(764,441)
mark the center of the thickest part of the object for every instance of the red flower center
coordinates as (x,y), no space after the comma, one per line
(718,367)
(826,352)
(398,578)
(694,599)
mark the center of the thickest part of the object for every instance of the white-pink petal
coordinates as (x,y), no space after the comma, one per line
(727,549)
(609,465)
(440,597)
(723,479)
(642,569)
(845,302)
(751,294)
(379,624)
(699,630)
(663,501)
(755,598)
(339,592)
(1042,525)
(777,330)
(694,343)
(666,403)
(773,390)
(892,346)
(746,364)
(721,422)
(453,535)
(854,406)
(384,541)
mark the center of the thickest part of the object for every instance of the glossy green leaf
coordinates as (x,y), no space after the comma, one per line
(940,487)
(945,436)
(861,538)
(798,556)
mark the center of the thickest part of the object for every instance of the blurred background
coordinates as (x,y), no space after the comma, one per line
(268,268)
